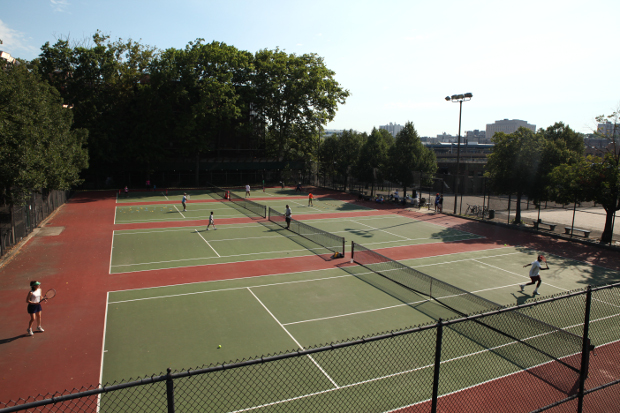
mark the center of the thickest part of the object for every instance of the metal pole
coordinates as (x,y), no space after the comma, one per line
(585,351)
(437,365)
(573,224)
(170,391)
(458,155)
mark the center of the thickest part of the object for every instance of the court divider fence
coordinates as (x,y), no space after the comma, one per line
(16,222)
(435,367)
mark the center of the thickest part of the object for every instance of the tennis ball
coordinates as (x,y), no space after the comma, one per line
(220,346)
(505,245)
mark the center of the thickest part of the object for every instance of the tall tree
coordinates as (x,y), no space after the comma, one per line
(595,178)
(38,148)
(514,163)
(293,92)
(373,158)
(407,155)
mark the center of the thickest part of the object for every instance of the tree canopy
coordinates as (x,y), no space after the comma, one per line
(408,155)
(38,147)
(522,161)
(595,178)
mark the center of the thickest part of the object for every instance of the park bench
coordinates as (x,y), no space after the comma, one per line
(551,226)
(586,233)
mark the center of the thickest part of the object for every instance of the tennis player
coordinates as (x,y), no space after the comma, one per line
(211,221)
(34,306)
(288,214)
(310,198)
(184,201)
(534,276)
(247,191)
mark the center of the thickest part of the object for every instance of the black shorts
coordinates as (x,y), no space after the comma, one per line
(288,220)
(34,308)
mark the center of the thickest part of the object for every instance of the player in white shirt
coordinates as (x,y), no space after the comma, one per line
(211,221)
(534,273)
(247,191)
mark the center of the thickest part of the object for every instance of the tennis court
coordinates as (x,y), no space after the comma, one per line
(158,248)
(148,330)
(144,213)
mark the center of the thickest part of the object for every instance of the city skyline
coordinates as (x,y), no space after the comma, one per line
(540,61)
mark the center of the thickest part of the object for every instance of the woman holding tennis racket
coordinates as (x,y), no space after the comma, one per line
(34,301)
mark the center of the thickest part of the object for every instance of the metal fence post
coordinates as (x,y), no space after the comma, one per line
(437,364)
(585,351)
(170,391)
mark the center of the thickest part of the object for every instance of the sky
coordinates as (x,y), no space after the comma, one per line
(541,61)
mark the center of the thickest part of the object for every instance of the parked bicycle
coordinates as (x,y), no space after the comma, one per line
(479,211)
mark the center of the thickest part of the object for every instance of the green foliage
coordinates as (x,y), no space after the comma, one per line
(38,148)
(373,158)
(408,155)
(293,95)
(592,179)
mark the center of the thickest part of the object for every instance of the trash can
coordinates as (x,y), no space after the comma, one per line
(491,214)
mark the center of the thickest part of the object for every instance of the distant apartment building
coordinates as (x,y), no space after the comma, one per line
(444,137)
(393,128)
(476,136)
(325,133)
(608,129)
(507,126)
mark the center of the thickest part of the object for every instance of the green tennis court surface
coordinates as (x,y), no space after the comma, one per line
(166,195)
(148,249)
(203,194)
(181,326)
(224,209)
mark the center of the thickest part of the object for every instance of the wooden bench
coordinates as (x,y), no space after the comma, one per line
(548,224)
(586,233)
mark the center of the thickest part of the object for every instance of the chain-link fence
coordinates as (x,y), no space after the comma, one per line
(18,221)
(459,364)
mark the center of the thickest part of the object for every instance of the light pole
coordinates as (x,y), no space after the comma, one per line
(458,98)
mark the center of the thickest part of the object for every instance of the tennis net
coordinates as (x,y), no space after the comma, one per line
(254,207)
(551,341)
(325,239)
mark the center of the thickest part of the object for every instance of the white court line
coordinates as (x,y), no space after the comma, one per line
(356,313)
(228,289)
(518,275)
(111,251)
(300,204)
(203,238)
(175,207)
(141,231)
(296,342)
(115,210)
(382,230)
(103,350)
(223,256)
(165,196)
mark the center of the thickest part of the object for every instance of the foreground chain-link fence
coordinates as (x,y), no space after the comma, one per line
(454,365)
(18,221)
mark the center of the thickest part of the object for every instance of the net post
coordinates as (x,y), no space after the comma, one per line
(352,250)
(585,351)
(437,365)
(170,391)
(343,247)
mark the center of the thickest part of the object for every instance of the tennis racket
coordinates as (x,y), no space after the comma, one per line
(51,293)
